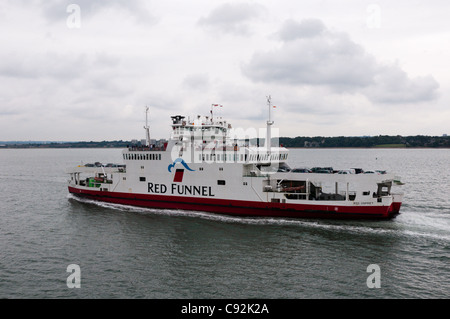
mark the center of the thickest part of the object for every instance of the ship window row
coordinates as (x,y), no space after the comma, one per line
(142,157)
(265,157)
(222,157)
(216,130)
(241,157)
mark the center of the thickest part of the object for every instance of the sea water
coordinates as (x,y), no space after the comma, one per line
(128,252)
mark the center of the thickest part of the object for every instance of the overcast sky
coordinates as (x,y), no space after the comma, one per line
(351,67)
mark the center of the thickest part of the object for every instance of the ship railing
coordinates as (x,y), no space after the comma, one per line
(255,174)
(146,148)
(287,190)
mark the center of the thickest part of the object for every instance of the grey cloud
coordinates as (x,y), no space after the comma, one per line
(52,80)
(42,65)
(232,18)
(196,82)
(55,66)
(312,55)
(307,28)
(158,101)
(331,59)
(393,85)
(8,111)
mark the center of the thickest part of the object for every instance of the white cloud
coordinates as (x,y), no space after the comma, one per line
(56,10)
(313,55)
(232,18)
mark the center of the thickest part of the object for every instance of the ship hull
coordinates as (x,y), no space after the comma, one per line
(242,208)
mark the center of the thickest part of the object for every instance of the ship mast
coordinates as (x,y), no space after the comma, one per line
(269,128)
(146,127)
(213,106)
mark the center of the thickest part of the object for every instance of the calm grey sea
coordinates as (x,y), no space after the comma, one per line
(126,252)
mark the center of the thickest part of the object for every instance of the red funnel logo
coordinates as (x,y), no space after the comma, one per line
(178,178)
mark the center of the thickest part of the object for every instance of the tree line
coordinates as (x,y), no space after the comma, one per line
(367,141)
(299,141)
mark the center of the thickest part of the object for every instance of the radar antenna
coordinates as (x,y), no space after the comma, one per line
(146,127)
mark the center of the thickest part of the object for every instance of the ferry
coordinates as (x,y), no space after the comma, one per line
(203,167)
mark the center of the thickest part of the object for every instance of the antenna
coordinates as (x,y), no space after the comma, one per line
(269,124)
(212,116)
(146,127)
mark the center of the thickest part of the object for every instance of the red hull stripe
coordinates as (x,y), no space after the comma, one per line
(237,207)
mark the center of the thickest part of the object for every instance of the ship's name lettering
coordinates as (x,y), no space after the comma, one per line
(362,203)
(176,189)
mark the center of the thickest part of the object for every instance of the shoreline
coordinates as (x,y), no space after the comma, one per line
(13,147)
(375,142)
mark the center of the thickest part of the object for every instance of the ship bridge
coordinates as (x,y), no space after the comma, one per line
(207,139)
(201,126)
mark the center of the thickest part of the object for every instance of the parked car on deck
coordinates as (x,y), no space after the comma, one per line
(301,170)
(347,171)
